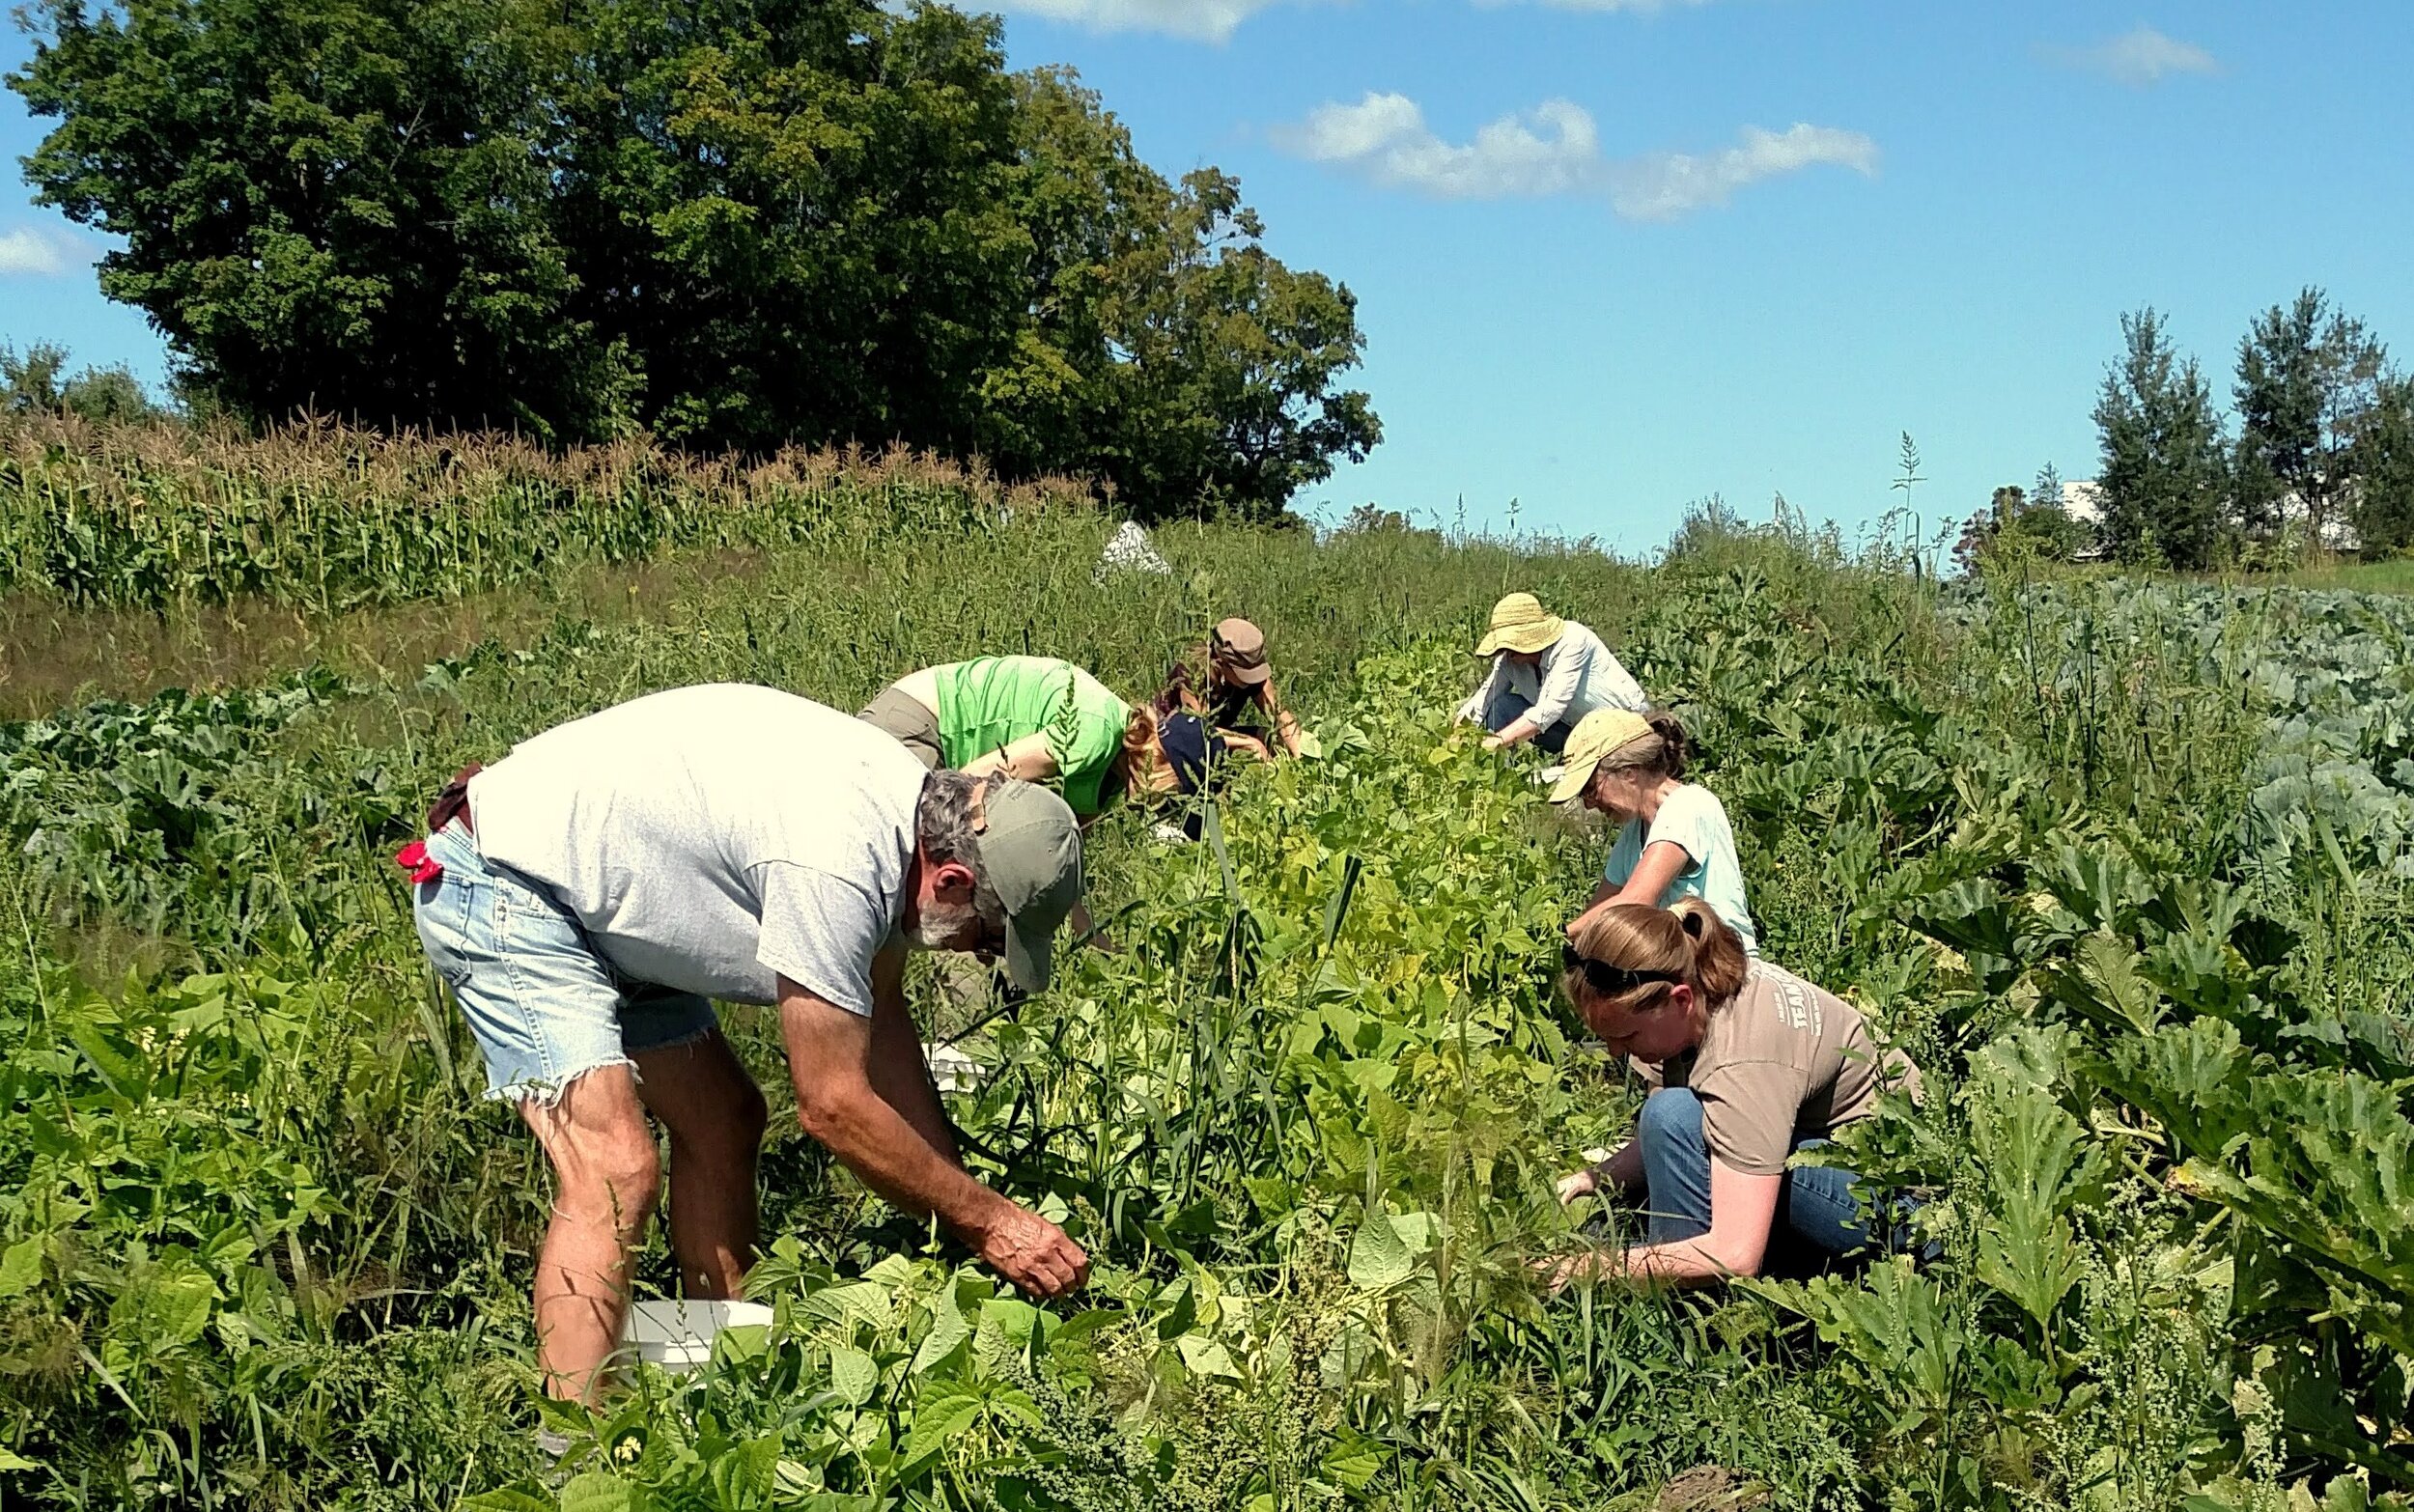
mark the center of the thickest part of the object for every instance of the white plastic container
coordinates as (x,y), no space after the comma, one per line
(953,1071)
(676,1332)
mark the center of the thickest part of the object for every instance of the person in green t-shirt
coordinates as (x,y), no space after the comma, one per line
(1033,717)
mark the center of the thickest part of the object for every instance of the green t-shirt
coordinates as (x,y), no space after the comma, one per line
(990,703)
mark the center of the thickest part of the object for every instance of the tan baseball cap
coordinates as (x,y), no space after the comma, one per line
(1032,855)
(1239,650)
(1520,623)
(1595,736)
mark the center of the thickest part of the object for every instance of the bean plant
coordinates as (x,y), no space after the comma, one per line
(2125,865)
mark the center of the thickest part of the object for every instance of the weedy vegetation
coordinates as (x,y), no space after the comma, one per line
(2127,865)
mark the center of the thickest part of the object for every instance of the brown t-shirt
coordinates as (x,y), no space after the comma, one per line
(1785,1062)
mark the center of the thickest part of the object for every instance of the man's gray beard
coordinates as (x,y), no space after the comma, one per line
(941,929)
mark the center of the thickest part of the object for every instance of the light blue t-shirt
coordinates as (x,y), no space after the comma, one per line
(1692,818)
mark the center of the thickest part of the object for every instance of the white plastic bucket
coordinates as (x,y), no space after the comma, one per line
(676,1332)
(953,1071)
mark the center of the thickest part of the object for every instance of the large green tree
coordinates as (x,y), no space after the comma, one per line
(736,223)
(795,213)
(2165,471)
(1164,342)
(330,203)
(2384,496)
(2309,377)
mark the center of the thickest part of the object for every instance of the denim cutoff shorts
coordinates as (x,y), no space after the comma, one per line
(544,1005)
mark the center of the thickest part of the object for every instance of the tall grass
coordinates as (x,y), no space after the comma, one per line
(330,517)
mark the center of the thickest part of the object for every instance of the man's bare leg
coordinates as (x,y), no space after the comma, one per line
(607,1175)
(716,1116)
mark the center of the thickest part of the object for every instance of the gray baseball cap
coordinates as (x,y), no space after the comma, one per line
(1032,855)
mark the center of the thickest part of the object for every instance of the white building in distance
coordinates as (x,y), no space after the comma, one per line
(2083,500)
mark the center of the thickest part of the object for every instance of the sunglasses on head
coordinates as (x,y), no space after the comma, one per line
(1607,980)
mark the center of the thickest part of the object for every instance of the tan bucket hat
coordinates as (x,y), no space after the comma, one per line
(1238,649)
(1520,623)
(1595,736)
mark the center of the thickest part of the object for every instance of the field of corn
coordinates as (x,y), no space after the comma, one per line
(2129,866)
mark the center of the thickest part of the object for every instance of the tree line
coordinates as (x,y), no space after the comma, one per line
(732,224)
(2321,458)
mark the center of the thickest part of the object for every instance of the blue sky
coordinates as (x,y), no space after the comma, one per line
(1615,255)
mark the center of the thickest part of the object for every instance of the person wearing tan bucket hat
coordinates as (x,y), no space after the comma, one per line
(588,898)
(1673,840)
(1237,701)
(1547,673)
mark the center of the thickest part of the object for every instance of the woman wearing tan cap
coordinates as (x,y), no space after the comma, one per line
(1547,673)
(1239,702)
(1673,840)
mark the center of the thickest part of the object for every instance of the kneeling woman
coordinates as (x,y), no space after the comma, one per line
(1746,1063)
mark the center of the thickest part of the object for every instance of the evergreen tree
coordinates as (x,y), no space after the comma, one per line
(2308,379)
(2384,497)
(2165,470)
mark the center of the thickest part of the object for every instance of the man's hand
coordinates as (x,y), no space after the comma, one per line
(1493,742)
(1578,1185)
(1034,1253)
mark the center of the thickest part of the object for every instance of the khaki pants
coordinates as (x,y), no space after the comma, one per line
(910,721)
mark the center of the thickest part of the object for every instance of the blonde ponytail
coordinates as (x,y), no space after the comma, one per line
(1719,963)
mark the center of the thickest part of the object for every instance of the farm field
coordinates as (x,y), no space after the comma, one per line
(2395,576)
(2127,865)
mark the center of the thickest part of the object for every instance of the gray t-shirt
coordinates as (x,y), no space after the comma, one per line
(712,839)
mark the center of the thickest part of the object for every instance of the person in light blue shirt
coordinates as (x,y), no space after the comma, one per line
(1673,840)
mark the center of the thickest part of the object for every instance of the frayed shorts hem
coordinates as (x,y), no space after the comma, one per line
(544,1005)
(549,1093)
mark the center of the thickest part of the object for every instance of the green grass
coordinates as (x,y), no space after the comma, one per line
(2395,576)
(2124,864)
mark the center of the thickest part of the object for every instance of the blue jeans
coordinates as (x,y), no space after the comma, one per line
(1816,1210)
(1508,706)
(543,1004)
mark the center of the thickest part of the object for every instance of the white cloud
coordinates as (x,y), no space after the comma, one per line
(1200,20)
(2141,58)
(1663,185)
(1552,149)
(1555,149)
(27,252)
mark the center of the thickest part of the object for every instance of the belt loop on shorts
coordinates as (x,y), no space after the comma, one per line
(451,805)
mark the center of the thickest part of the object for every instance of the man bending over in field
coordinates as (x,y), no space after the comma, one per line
(587,896)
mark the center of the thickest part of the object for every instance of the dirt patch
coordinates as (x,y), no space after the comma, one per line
(1711,1487)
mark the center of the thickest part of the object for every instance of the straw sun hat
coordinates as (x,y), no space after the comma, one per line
(1520,623)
